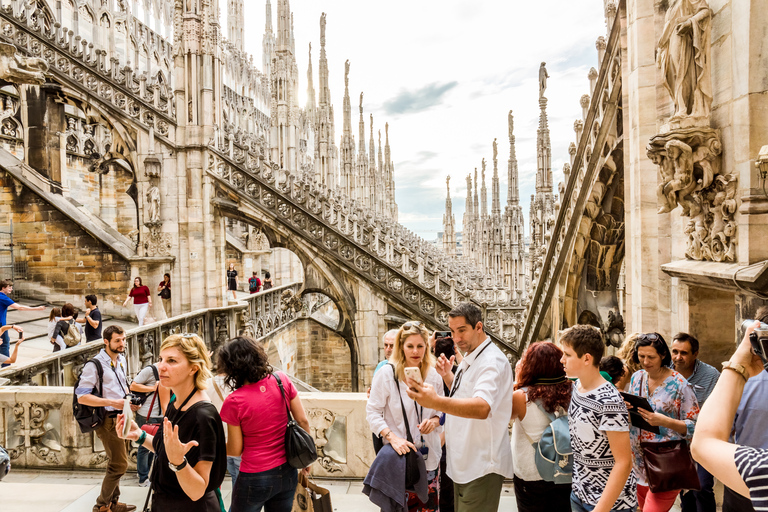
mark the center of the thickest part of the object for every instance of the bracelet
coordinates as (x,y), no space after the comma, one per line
(736,367)
(142,438)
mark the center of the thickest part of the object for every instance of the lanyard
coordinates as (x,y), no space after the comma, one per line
(457,380)
(179,413)
(117,375)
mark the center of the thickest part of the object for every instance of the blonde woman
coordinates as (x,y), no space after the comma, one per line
(388,398)
(190,451)
(626,351)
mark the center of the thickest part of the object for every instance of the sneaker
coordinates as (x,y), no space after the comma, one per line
(122,507)
(145,483)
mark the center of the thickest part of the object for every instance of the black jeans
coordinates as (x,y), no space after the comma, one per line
(703,500)
(542,496)
(735,502)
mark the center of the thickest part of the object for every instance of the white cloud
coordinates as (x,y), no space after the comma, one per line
(444,74)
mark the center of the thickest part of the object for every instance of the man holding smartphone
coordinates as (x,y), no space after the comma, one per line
(477,413)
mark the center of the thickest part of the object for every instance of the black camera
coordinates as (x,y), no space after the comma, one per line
(759,340)
(138,398)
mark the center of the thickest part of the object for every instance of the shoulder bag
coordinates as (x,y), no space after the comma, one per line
(300,449)
(90,418)
(412,472)
(668,465)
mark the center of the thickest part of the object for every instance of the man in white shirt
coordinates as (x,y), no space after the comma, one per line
(478,411)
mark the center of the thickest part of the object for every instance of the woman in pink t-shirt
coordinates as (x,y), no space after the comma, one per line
(256,421)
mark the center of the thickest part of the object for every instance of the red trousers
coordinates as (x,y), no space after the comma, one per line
(655,502)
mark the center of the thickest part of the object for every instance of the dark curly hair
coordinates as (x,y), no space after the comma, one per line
(655,340)
(243,361)
(542,361)
(614,367)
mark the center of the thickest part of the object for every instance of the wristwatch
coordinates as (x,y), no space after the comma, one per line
(178,468)
(737,367)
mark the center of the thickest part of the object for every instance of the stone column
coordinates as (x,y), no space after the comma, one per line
(648,233)
(45,119)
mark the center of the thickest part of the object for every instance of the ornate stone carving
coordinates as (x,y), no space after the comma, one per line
(153,205)
(682,55)
(543,75)
(690,176)
(21,70)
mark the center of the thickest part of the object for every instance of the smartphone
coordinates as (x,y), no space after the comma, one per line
(414,374)
(442,334)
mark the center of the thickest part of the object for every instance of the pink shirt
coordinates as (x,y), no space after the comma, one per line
(258,409)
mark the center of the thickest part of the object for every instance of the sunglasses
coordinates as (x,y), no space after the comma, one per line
(413,324)
(652,336)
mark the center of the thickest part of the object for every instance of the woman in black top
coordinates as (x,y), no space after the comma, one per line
(267,281)
(190,450)
(232,280)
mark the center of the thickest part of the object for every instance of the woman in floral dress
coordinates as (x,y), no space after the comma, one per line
(675,412)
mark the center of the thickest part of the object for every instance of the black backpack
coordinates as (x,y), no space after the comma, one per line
(87,417)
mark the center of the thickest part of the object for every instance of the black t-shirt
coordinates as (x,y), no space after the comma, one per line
(201,423)
(92,333)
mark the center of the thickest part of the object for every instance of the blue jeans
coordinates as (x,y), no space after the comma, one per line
(144,457)
(5,347)
(579,506)
(272,489)
(233,467)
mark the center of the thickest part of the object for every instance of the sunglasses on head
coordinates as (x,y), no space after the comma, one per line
(651,336)
(413,324)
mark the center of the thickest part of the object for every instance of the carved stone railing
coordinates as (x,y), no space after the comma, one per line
(350,236)
(585,168)
(257,316)
(38,430)
(86,69)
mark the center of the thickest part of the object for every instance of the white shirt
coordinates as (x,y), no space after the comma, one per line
(476,448)
(384,410)
(115,383)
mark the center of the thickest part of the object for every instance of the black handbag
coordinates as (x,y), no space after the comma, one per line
(300,449)
(412,472)
(669,466)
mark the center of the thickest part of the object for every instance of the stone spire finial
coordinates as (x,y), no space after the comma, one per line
(542,79)
(322,30)
(468,205)
(310,84)
(475,200)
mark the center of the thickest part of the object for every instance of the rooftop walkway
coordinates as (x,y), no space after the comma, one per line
(66,491)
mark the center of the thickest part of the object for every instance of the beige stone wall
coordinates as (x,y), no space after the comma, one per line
(314,354)
(64,262)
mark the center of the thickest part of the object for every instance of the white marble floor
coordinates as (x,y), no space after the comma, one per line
(68,491)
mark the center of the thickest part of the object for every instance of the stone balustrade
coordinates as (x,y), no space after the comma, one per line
(257,316)
(38,429)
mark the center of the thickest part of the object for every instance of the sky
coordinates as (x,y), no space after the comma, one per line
(444,75)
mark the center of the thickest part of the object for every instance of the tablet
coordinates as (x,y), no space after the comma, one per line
(639,402)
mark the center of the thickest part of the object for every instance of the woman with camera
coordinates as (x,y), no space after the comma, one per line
(542,392)
(190,452)
(742,469)
(256,417)
(675,412)
(388,400)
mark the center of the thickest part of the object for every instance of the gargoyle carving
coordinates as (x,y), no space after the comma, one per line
(21,70)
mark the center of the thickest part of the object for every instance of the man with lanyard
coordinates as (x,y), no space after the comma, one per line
(389,346)
(702,377)
(477,410)
(115,387)
(6,302)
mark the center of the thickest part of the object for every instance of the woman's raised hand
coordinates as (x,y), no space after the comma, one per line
(174,448)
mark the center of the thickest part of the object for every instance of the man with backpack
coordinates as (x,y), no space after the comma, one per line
(603,480)
(147,382)
(107,372)
(254,283)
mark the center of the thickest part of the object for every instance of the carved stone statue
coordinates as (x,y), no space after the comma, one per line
(511,123)
(495,150)
(542,79)
(683,57)
(346,73)
(153,205)
(678,189)
(21,70)
(361,102)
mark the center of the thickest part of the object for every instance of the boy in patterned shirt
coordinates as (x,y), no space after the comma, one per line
(603,480)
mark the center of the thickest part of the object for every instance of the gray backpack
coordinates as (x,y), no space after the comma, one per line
(72,337)
(553,454)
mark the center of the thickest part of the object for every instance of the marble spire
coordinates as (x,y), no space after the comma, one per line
(347,141)
(310,108)
(475,200)
(513,191)
(235,24)
(495,193)
(483,194)
(449,224)
(268,43)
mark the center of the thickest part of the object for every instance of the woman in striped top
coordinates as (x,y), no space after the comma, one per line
(742,468)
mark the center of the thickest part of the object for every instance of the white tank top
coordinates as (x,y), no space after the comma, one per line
(525,432)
